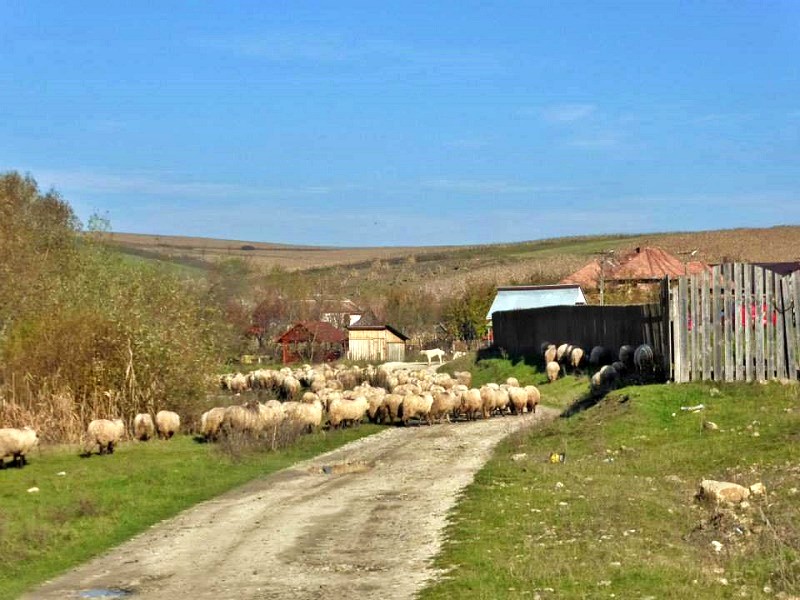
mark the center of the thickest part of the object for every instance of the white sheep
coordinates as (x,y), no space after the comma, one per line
(416,405)
(345,411)
(392,402)
(519,399)
(16,444)
(143,427)
(533,398)
(576,357)
(104,433)
(168,423)
(471,403)
(307,415)
(550,353)
(553,370)
(444,403)
(512,382)
(211,421)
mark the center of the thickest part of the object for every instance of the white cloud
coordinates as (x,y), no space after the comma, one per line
(598,142)
(568,113)
(149,184)
(489,187)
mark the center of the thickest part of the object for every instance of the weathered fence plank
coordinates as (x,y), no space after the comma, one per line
(786,325)
(795,301)
(760,372)
(780,339)
(747,322)
(683,324)
(739,328)
(769,329)
(730,319)
(716,302)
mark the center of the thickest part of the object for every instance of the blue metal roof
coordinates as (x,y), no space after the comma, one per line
(509,298)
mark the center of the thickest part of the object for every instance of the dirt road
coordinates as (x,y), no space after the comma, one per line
(359,522)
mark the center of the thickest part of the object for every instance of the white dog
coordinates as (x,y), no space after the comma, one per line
(435,353)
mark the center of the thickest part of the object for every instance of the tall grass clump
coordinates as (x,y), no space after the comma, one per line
(86,334)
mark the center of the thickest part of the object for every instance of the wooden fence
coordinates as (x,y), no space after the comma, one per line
(521,332)
(738,322)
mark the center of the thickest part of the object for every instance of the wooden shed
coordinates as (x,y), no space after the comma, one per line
(312,341)
(373,341)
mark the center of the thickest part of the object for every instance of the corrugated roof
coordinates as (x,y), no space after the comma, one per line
(511,298)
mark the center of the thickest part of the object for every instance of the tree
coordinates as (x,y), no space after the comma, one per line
(464,316)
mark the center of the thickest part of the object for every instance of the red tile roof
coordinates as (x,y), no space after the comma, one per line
(313,331)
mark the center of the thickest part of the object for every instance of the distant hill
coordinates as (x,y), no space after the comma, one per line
(440,268)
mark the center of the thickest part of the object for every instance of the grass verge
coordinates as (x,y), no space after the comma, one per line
(618,518)
(101,501)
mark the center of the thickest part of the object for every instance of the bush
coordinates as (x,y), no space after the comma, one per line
(93,335)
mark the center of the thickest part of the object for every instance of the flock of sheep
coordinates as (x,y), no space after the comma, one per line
(311,397)
(608,370)
(341,396)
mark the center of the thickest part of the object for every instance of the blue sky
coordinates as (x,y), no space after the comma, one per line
(364,123)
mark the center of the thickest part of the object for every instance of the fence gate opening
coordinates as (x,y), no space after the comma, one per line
(739,322)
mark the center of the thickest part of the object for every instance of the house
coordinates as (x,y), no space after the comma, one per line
(642,265)
(312,341)
(535,296)
(371,340)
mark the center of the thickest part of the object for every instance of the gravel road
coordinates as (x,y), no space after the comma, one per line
(362,521)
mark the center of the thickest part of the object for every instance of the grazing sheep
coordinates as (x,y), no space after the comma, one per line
(16,444)
(550,353)
(501,401)
(376,411)
(237,383)
(308,415)
(644,359)
(620,367)
(600,356)
(604,380)
(273,412)
(104,433)
(464,377)
(210,422)
(519,399)
(309,398)
(241,419)
(343,412)
(143,427)
(416,406)
(533,398)
(471,404)
(563,352)
(576,358)
(444,403)
(553,370)
(626,355)
(488,400)
(168,423)
(512,382)
(392,402)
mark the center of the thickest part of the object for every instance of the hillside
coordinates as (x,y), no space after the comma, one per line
(445,268)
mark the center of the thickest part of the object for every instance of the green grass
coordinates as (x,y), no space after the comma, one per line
(104,500)
(619,517)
